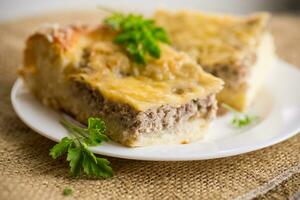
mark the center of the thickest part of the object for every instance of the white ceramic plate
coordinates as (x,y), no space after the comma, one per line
(278,105)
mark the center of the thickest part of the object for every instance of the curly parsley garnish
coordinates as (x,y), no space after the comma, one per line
(140,37)
(239,119)
(76,147)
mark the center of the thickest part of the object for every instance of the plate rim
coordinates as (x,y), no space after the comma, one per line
(231,152)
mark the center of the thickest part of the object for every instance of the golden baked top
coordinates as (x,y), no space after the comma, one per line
(213,39)
(89,55)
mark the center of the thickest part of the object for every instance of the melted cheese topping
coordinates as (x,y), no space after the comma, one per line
(213,39)
(173,79)
(143,93)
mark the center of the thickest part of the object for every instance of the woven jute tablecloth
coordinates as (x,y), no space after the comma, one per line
(27,172)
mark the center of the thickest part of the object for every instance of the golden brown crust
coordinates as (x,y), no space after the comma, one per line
(65,36)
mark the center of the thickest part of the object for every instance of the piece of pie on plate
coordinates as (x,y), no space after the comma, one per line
(237,49)
(81,71)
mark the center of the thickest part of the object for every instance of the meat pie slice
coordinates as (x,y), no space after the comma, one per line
(81,71)
(238,50)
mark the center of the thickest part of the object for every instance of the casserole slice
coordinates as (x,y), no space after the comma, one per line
(81,71)
(238,50)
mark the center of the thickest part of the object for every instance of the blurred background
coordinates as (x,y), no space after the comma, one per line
(11,9)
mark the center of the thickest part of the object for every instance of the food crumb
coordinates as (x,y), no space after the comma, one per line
(67,191)
(184,142)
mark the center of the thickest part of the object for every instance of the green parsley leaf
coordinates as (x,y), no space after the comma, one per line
(93,135)
(140,37)
(67,191)
(80,158)
(115,20)
(75,159)
(97,167)
(240,120)
(96,123)
(60,148)
(161,34)
(96,129)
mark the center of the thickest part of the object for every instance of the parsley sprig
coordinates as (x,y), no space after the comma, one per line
(80,158)
(240,119)
(140,37)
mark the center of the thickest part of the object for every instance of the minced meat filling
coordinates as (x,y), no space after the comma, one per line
(151,120)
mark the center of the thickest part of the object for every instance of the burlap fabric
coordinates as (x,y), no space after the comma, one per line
(27,172)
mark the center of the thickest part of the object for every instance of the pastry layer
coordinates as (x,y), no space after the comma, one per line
(241,96)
